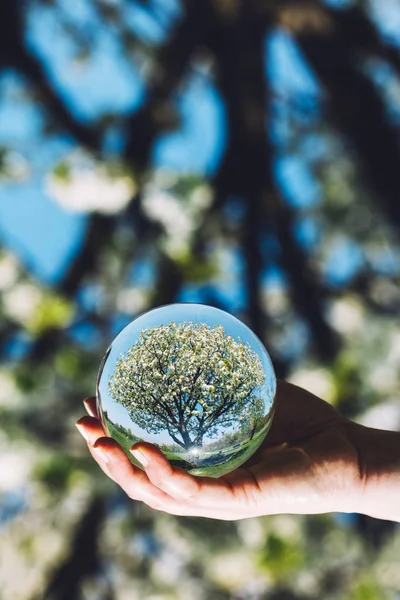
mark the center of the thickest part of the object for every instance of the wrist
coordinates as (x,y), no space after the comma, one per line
(377,492)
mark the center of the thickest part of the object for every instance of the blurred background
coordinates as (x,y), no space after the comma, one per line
(239,153)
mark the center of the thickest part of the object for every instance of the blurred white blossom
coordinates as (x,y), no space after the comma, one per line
(317,381)
(286,527)
(178,216)
(21,302)
(276,299)
(201,197)
(164,178)
(9,393)
(307,583)
(347,315)
(15,468)
(82,184)
(233,571)
(168,567)
(165,208)
(383,377)
(9,271)
(383,416)
(393,356)
(14,167)
(24,566)
(91,191)
(252,532)
(132,300)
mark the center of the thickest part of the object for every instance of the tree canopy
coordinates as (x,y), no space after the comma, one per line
(190,380)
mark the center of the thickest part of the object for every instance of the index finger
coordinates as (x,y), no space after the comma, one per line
(90,405)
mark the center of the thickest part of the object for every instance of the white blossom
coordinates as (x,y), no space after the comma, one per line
(10,396)
(15,469)
(88,185)
(318,381)
(21,302)
(9,271)
(91,191)
(178,216)
(383,416)
(201,197)
(346,315)
(132,300)
(383,377)
(393,356)
(15,167)
(165,208)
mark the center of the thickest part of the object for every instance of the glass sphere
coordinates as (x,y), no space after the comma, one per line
(193,380)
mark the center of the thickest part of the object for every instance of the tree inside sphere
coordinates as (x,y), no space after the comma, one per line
(193,380)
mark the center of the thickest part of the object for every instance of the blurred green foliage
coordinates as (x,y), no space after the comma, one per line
(235,238)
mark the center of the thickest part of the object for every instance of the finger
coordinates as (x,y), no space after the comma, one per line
(90,428)
(90,405)
(133,480)
(116,465)
(174,481)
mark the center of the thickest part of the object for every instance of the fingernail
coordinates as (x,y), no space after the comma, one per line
(82,430)
(88,409)
(140,456)
(102,453)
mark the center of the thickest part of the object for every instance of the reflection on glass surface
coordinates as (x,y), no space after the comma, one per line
(193,380)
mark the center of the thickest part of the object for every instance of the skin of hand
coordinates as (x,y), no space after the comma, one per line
(312,461)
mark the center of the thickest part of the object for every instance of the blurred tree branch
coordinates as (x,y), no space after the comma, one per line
(171,64)
(83,557)
(14,54)
(331,46)
(246,171)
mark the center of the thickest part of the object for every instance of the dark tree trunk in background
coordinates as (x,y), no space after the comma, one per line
(359,111)
(82,560)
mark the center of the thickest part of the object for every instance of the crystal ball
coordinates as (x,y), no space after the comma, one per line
(193,380)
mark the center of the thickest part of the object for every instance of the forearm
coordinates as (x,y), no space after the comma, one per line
(379,464)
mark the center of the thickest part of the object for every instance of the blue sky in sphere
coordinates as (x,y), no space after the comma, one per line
(44,235)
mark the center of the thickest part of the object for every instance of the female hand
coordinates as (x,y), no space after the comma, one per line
(308,463)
